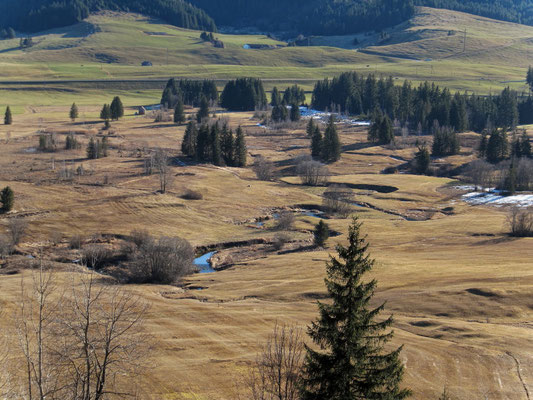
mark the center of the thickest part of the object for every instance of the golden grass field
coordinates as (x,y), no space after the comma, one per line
(459,288)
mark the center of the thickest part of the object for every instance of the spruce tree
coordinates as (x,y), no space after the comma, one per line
(116,108)
(92,149)
(8,118)
(276,97)
(331,147)
(202,143)
(105,114)
(525,145)
(295,113)
(240,149)
(7,198)
(310,130)
(422,160)
(73,112)
(179,112)
(497,147)
(351,362)
(386,132)
(188,146)
(214,139)
(316,144)
(321,234)
(529,78)
(228,145)
(203,111)
(483,145)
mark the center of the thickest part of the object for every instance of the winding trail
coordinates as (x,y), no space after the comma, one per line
(519,372)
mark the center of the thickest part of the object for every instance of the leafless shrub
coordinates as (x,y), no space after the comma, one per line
(524,174)
(162,261)
(162,116)
(140,238)
(264,169)
(6,247)
(280,240)
(192,195)
(285,221)
(94,256)
(161,164)
(480,173)
(276,374)
(312,173)
(75,242)
(520,221)
(56,237)
(337,200)
(17,229)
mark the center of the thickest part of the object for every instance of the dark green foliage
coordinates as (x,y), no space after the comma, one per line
(525,111)
(47,142)
(244,94)
(179,112)
(8,33)
(331,145)
(280,113)
(418,106)
(8,117)
(73,114)
(71,142)
(422,160)
(276,97)
(497,146)
(445,142)
(228,146)
(116,108)
(190,139)
(310,130)
(319,17)
(521,146)
(105,113)
(240,149)
(295,113)
(214,141)
(97,148)
(7,198)
(529,78)
(381,130)
(203,111)
(351,362)
(189,92)
(483,144)
(294,95)
(316,144)
(37,15)
(321,234)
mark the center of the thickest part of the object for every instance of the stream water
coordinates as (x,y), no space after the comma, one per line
(203,264)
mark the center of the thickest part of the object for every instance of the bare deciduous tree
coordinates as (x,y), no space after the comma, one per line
(276,374)
(161,164)
(264,169)
(17,229)
(520,221)
(312,173)
(337,199)
(480,173)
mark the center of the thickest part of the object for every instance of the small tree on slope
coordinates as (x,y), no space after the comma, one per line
(351,362)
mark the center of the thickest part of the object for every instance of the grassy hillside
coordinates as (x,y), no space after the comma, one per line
(113,46)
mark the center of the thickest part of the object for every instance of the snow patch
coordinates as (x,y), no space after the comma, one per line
(496,199)
(324,117)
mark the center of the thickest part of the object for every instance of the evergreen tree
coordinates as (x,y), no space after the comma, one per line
(216,152)
(179,112)
(321,234)
(386,131)
(105,114)
(525,145)
(331,148)
(73,112)
(422,160)
(7,198)
(92,149)
(203,111)
(316,144)
(351,362)
(276,97)
(279,113)
(240,149)
(188,146)
(116,109)
(497,147)
(529,78)
(483,144)
(202,143)
(295,113)
(228,146)
(310,130)
(8,118)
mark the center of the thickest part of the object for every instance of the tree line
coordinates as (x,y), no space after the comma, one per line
(38,15)
(216,144)
(189,92)
(417,107)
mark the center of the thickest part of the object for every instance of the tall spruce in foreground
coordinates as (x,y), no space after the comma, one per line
(116,108)
(8,117)
(73,112)
(351,362)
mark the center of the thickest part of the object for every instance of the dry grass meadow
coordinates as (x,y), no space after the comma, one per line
(459,287)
